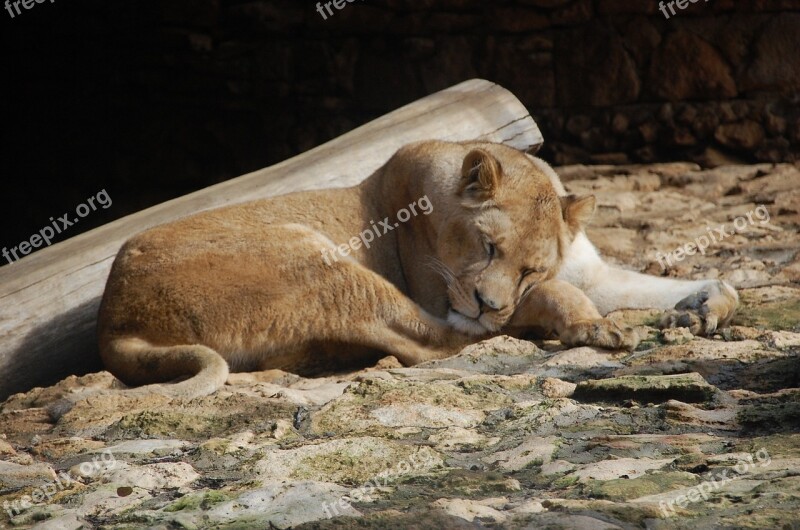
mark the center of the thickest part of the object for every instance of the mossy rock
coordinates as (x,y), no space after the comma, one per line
(689,388)
(622,489)
(198,501)
(780,315)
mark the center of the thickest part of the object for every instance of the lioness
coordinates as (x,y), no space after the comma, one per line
(253,286)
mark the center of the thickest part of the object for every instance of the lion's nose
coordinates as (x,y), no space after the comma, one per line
(486,301)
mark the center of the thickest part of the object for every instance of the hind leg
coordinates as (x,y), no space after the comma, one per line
(388,320)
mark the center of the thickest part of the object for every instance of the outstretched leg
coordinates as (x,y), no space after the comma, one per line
(701,305)
(560,307)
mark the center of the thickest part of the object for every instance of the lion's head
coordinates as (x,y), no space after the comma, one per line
(507,230)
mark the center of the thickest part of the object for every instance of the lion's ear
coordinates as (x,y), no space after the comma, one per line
(577,211)
(480,174)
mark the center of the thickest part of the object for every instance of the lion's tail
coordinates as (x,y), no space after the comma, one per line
(137,362)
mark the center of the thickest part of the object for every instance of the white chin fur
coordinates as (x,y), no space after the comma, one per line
(464,324)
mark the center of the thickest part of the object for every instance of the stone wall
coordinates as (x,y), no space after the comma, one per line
(610,81)
(152,100)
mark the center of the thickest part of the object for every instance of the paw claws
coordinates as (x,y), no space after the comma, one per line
(705,311)
(711,324)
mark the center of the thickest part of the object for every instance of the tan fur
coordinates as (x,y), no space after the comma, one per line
(246,287)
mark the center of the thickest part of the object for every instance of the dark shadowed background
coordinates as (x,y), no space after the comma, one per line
(152,100)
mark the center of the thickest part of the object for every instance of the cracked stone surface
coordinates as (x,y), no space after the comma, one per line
(684,432)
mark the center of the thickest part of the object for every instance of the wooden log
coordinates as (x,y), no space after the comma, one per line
(49,300)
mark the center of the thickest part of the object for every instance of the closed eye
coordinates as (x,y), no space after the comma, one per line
(527,273)
(490,248)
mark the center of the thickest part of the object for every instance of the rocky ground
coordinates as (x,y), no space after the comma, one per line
(684,432)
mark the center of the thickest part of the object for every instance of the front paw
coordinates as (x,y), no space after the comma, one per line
(602,333)
(704,311)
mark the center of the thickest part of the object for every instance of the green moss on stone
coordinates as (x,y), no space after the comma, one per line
(195,501)
(624,489)
(779,315)
(690,388)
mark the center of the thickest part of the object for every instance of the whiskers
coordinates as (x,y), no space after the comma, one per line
(453,285)
(441,269)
